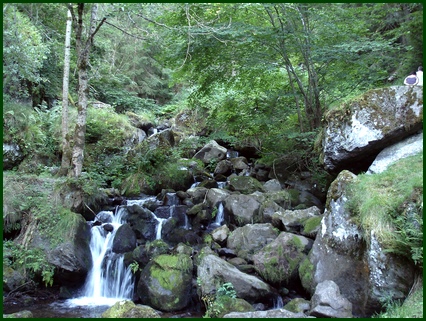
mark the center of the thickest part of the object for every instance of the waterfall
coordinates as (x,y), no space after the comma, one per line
(109,280)
(278,302)
(219,215)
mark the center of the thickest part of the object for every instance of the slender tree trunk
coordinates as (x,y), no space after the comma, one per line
(83,54)
(66,148)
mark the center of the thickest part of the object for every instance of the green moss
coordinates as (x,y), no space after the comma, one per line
(167,269)
(311,224)
(306,269)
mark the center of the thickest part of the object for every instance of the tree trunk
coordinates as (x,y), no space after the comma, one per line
(83,54)
(66,148)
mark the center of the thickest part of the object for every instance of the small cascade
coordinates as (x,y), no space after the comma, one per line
(219,218)
(159,227)
(109,280)
(278,303)
(219,215)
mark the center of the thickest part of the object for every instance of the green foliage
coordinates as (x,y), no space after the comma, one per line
(134,266)
(31,261)
(23,51)
(391,204)
(411,307)
(215,305)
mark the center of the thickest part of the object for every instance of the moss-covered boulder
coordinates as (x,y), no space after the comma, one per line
(357,131)
(127,309)
(19,315)
(245,184)
(278,262)
(225,304)
(165,282)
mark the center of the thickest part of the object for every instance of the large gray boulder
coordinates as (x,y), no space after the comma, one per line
(242,209)
(408,147)
(357,263)
(213,272)
(211,151)
(355,134)
(249,239)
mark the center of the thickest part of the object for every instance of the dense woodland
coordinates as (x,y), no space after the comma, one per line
(248,68)
(254,76)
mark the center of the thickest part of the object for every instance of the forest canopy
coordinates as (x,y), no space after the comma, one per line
(250,68)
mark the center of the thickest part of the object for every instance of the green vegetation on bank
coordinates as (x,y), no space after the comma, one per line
(391,204)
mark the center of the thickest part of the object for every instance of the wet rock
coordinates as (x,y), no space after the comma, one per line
(245,184)
(124,240)
(213,272)
(211,151)
(250,238)
(127,309)
(327,302)
(18,315)
(278,313)
(242,209)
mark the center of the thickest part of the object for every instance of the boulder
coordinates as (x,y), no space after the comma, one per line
(12,279)
(354,135)
(224,167)
(298,305)
(220,234)
(245,184)
(124,239)
(24,314)
(127,309)
(273,185)
(211,151)
(292,220)
(250,238)
(278,262)
(163,139)
(239,163)
(278,313)
(242,209)
(365,273)
(165,282)
(142,222)
(407,147)
(12,156)
(213,272)
(327,302)
(216,195)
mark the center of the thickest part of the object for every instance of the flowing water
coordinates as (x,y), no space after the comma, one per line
(108,281)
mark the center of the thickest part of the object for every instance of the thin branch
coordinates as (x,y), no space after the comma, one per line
(123,31)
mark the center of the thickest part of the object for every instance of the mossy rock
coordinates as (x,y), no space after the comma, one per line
(245,184)
(127,309)
(306,269)
(165,282)
(226,304)
(19,315)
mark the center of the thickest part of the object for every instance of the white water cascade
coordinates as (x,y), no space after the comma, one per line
(108,281)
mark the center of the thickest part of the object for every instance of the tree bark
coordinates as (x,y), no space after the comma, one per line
(66,147)
(83,54)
